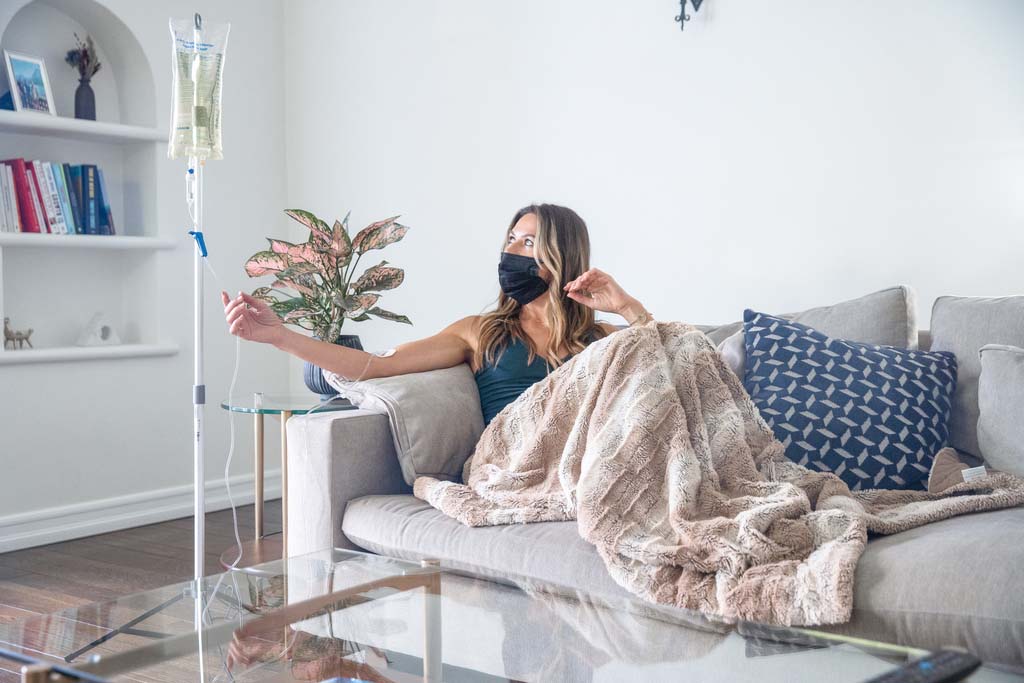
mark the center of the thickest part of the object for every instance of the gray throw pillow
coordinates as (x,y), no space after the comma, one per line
(1001,405)
(964,324)
(435,417)
(887,317)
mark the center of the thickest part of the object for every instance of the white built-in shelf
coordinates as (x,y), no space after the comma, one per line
(79,353)
(48,241)
(76,129)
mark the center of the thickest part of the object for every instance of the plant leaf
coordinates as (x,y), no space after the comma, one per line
(379,235)
(301,268)
(388,315)
(279,246)
(264,263)
(379,278)
(317,228)
(295,314)
(284,306)
(298,253)
(298,283)
(357,305)
(262,293)
(341,244)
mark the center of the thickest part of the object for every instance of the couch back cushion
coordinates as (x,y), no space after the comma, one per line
(887,317)
(962,325)
(874,415)
(435,417)
(1001,407)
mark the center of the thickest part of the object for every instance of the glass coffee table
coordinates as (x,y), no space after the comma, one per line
(342,616)
(265,548)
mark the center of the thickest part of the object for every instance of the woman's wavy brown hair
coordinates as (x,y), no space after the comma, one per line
(562,245)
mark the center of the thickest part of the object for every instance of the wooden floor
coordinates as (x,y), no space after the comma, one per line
(49,578)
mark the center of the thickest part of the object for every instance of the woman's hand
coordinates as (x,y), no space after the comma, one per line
(252,319)
(598,290)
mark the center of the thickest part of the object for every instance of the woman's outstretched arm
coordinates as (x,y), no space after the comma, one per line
(252,319)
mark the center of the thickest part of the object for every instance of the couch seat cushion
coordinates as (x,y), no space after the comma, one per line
(405,527)
(954,582)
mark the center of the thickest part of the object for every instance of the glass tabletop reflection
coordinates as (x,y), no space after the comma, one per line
(277,403)
(339,615)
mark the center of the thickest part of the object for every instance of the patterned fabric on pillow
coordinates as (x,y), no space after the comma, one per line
(874,415)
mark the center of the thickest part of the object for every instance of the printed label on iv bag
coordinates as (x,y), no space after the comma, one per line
(197,59)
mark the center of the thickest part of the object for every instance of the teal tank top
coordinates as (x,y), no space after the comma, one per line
(502,383)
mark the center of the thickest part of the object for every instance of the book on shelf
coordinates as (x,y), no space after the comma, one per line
(106,215)
(38,204)
(48,186)
(56,198)
(73,175)
(64,199)
(10,221)
(89,197)
(23,193)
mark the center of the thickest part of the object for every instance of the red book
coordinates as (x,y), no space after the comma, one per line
(26,209)
(37,195)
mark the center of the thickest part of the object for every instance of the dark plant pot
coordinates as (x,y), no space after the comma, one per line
(314,376)
(85,101)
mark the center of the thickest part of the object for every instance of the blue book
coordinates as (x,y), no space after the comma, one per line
(89,189)
(73,180)
(103,200)
(65,200)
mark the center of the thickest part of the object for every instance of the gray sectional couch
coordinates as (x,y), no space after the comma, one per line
(956,582)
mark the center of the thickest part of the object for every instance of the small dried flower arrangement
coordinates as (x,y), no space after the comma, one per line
(84,58)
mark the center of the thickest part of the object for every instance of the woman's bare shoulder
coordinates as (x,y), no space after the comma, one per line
(467,329)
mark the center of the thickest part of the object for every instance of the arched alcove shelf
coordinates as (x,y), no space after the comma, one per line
(125,88)
(56,290)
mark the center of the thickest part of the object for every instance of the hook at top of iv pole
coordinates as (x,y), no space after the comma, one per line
(199,22)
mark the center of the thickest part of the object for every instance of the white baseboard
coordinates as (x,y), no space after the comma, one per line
(51,525)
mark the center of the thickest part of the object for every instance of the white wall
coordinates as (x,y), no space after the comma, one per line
(109,443)
(778,155)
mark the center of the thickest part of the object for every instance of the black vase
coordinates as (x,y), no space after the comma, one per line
(314,376)
(85,101)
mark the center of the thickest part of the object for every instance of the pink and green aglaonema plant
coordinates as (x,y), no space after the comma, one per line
(320,271)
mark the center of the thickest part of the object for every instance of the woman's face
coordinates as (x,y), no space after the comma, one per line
(521,240)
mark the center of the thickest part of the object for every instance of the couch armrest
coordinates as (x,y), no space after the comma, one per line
(333,458)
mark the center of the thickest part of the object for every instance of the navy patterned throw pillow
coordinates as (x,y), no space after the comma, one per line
(873,415)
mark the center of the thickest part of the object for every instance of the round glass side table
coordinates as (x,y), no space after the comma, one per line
(265,548)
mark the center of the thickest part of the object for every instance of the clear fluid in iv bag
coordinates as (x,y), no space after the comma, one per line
(197,65)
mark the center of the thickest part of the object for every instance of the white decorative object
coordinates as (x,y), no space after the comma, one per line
(98,333)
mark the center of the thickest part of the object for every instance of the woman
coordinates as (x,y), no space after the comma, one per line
(545,315)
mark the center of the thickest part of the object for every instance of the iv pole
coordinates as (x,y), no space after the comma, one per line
(194,193)
(198,388)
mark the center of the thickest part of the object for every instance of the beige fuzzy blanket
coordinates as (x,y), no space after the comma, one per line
(650,442)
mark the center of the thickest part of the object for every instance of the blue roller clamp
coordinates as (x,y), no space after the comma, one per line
(199,240)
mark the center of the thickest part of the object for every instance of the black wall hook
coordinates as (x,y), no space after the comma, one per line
(683,17)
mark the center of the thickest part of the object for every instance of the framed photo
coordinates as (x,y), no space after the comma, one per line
(30,86)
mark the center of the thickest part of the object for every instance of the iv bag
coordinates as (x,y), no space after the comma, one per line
(197,64)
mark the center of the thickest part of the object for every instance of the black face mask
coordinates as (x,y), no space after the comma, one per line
(519,279)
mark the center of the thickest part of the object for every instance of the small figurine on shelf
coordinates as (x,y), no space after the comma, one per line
(85,60)
(19,338)
(98,333)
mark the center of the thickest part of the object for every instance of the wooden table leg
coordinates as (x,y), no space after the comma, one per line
(285,414)
(258,469)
